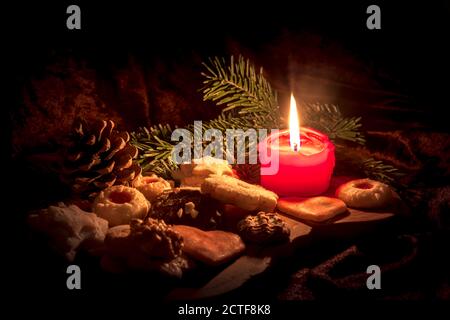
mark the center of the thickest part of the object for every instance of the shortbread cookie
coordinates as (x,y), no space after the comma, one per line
(317,209)
(151,186)
(242,194)
(210,247)
(365,194)
(193,174)
(120,204)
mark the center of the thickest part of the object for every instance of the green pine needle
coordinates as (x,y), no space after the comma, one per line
(328,119)
(377,170)
(248,101)
(244,91)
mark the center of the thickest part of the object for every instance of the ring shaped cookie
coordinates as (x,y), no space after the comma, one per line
(120,204)
(365,194)
(152,186)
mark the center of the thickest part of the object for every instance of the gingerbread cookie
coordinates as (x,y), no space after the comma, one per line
(317,209)
(210,247)
(242,194)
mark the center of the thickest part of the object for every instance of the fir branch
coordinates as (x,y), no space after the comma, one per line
(244,91)
(328,119)
(155,147)
(377,170)
(250,102)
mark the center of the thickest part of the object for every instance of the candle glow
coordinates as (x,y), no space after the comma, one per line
(294,126)
(305,159)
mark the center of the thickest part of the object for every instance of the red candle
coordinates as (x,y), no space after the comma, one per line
(305,162)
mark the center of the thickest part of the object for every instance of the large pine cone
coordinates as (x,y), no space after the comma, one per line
(99,157)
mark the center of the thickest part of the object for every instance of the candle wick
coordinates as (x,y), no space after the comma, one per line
(295,147)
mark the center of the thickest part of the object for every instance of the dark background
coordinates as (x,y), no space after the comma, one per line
(140,64)
(322,51)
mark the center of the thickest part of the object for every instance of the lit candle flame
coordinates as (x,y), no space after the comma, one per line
(294,126)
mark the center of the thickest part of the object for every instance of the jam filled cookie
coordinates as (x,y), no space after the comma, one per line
(152,186)
(365,194)
(119,204)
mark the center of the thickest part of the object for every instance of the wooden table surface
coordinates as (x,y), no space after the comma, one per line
(257,260)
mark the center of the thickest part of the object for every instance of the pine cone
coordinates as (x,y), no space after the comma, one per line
(99,157)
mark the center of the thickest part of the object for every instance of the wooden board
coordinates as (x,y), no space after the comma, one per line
(258,259)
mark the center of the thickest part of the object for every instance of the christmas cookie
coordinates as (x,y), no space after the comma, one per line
(151,186)
(116,240)
(187,206)
(120,204)
(69,227)
(365,194)
(263,228)
(148,245)
(151,237)
(210,247)
(242,194)
(193,174)
(155,239)
(317,209)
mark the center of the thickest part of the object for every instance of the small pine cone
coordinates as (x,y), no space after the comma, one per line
(99,156)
